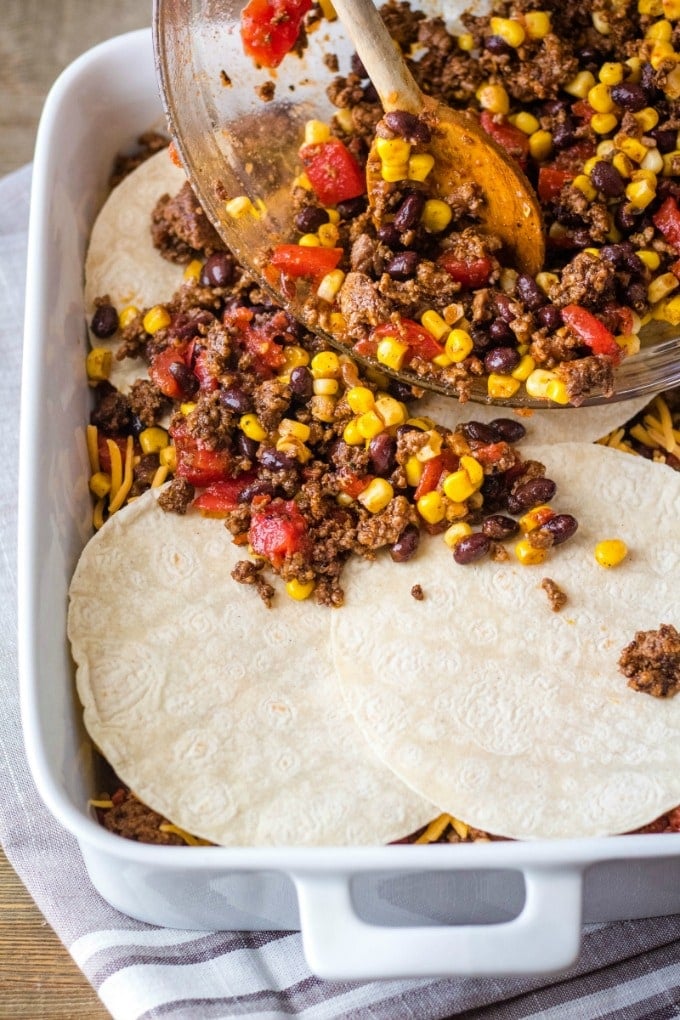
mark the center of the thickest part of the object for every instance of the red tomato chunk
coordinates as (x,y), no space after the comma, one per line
(333,171)
(270,28)
(277,531)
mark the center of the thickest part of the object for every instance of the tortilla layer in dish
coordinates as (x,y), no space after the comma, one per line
(510,716)
(121,258)
(220,714)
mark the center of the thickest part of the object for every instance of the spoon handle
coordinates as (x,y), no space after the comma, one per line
(380,55)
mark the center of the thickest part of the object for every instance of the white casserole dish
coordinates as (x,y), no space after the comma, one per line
(497,908)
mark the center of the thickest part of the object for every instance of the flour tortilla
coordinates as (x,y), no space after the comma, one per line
(509,716)
(121,259)
(222,715)
(552,425)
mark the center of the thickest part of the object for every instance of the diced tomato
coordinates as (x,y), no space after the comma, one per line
(366,347)
(582,109)
(574,156)
(303,260)
(505,134)
(270,28)
(551,181)
(421,343)
(161,372)
(200,367)
(593,333)
(469,274)
(667,221)
(278,530)
(333,171)
(199,465)
(492,453)
(433,471)
(103,449)
(260,341)
(354,484)
(221,497)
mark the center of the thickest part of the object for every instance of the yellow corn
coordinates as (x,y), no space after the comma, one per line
(524,369)
(433,446)
(299,590)
(322,408)
(352,435)
(310,241)
(493,98)
(453,535)
(546,281)
(526,122)
(646,118)
(528,555)
(98,364)
(661,287)
(458,486)
(376,495)
(432,507)
(660,31)
(537,24)
(535,518)
(419,166)
(556,391)
(611,552)
(669,311)
(251,427)
(192,270)
(153,439)
(466,42)
(328,235)
(242,206)
(537,383)
(458,345)
(601,22)
(540,144)
(301,181)
(187,407)
(325,365)
(316,132)
(501,387)
(436,215)
(633,148)
(370,424)
(599,97)
(509,30)
(650,258)
(360,399)
(651,7)
(391,411)
(413,469)
(393,150)
(391,352)
(393,172)
(100,484)
(611,73)
(580,85)
(434,324)
(297,429)
(585,186)
(156,318)
(294,357)
(168,458)
(330,285)
(623,164)
(128,315)
(671,9)
(603,123)
(661,52)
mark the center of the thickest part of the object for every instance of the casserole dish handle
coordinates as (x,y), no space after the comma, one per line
(339,945)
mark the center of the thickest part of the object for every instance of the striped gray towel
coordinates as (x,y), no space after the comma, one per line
(629,969)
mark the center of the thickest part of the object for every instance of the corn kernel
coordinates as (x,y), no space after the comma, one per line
(661,287)
(623,164)
(330,285)
(240,207)
(98,364)
(299,590)
(611,552)
(453,535)
(393,172)
(634,65)
(325,387)
(128,315)
(540,144)
(391,352)
(443,360)
(100,484)
(390,410)
(633,148)
(671,311)
(294,448)
(156,318)
(432,448)
(413,470)
(601,22)
(325,365)
(302,181)
(351,433)
(294,357)
(606,148)
(585,186)
(458,345)
(370,424)
(603,123)
(187,407)
(599,97)
(671,9)
(393,150)
(193,270)
(493,98)
(650,258)
(360,399)
(436,215)
(434,324)
(376,495)
(528,555)
(653,161)
(647,118)
(509,30)
(671,86)
(546,281)
(524,369)
(458,486)
(501,387)
(629,343)
(251,427)
(661,52)
(328,235)
(537,383)
(556,391)
(611,73)
(526,122)
(651,7)
(419,166)
(297,429)
(153,439)
(671,163)
(316,132)
(310,241)
(660,31)
(537,24)
(432,507)
(168,458)
(640,194)
(580,85)
(466,42)
(535,518)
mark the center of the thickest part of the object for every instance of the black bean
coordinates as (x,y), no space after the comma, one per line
(626,217)
(502,360)
(219,270)
(389,235)
(550,317)
(561,527)
(505,307)
(607,179)
(310,218)
(564,134)
(480,340)
(369,93)
(184,377)
(104,321)
(665,138)
(275,460)
(529,291)
(381,450)
(236,400)
(409,212)
(497,45)
(246,446)
(406,545)
(401,390)
(629,95)
(500,527)
(509,429)
(407,125)
(260,487)
(357,66)
(301,382)
(479,432)
(351,207)
(403,265)
(471,547)
(500,332)
(636,295)
(531,494)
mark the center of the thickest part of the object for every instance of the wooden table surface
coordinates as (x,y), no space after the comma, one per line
(38,38)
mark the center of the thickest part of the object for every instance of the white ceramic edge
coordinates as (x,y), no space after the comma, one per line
(559,857)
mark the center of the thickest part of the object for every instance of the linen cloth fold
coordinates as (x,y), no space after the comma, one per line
(629,969)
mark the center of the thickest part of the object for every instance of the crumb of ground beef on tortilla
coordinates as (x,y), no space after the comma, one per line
(556,597)
(652,661)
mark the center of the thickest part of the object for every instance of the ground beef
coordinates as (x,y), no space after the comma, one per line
(385,527)
(586,375)
(361,304)
(177,497)
(585,281)
(181,230)
(112,413)
(147,402)
(147,144)
(144,472)
(651,661)
(271,400)
(556,597)
(130,818)
(417,593)
(247,572)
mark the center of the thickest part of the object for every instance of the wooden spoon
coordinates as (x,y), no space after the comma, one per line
(462,150)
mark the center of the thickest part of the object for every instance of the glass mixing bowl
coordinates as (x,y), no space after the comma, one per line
(233,143)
